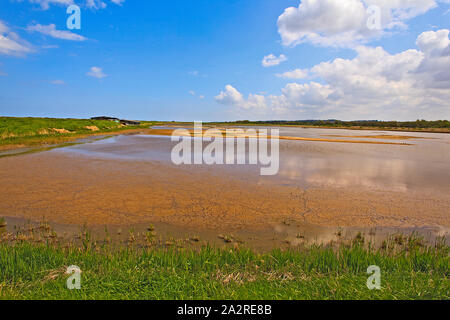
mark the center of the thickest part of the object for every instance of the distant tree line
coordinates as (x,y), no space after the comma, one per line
(423,124)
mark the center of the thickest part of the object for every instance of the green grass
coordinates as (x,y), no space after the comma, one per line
(33,131)
(409,271)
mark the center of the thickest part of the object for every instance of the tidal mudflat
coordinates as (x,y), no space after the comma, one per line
(129,181)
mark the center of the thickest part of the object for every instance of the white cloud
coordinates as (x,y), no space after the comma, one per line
(194,94)
(375,84)
(433,71)
(230,96)
(398,11)
(294,74)
(10,42)
(311,94)
(45,4)
(51,31)
(95,4)
(118,2)
(433,42)
(96,72)
(272,60)
(91,4)
(344,23)
(322,22)
(3,74)
(233,97)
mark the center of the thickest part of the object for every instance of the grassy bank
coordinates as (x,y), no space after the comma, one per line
(410,270)
(38,131)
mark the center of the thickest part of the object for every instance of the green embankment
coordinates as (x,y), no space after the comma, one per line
(35,131)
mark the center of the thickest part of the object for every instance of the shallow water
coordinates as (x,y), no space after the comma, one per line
(129,181)
(423,166)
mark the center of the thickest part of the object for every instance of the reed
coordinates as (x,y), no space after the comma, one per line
(410,270)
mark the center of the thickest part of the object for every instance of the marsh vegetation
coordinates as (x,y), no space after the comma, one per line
(34,263)
(37,131)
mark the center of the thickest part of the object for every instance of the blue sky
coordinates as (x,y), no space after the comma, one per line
(203,59)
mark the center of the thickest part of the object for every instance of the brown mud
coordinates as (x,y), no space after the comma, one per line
(72,191)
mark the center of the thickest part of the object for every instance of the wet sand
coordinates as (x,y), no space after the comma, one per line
(168,132)
(127,182)
(383,136)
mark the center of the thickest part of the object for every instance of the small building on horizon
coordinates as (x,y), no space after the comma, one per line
(106,119)
(129,123)
(121,121)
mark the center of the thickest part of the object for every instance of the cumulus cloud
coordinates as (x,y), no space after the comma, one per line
(50,30)
(230,96)
(345,23)
(272,60)
(96,72)
(233,97)
(411,84)
(311,94)
(294,74)
(434,68)
(10,42)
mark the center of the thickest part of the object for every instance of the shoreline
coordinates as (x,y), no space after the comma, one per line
(416,130)
(35,141)
(166,234)
(52,140)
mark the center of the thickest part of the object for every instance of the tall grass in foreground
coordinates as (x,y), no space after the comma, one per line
(409,271)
